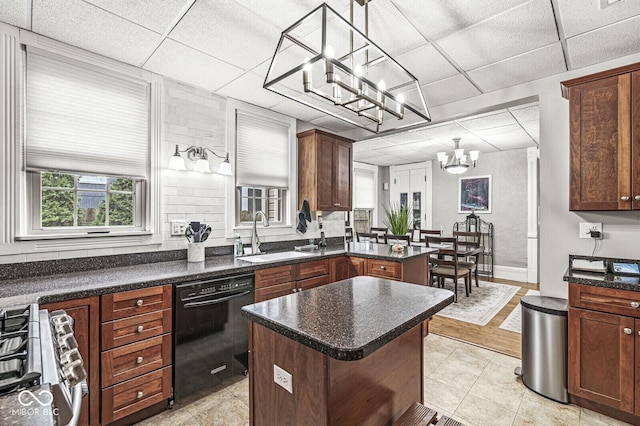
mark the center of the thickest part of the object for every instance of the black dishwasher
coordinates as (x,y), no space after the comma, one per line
(210,335)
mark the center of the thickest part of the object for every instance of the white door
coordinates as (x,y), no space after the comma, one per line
(417,179)
(411,183)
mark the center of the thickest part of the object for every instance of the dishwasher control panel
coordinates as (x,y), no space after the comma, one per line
(209,287)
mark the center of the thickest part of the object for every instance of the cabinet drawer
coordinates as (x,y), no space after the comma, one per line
(313,282)
(135,302)
(266,293)
(133,329)
(384,269)
(610,300)
(312,269)
(134,395)
(128,361)
(271,276)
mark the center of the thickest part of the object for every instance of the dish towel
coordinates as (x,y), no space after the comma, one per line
(303,217)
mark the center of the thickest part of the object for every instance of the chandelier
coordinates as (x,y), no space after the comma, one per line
(324,62)
(458,162)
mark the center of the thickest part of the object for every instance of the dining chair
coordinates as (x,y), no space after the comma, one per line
(380,231)
(446,264)
(367,236)
(424,233)
(400,239)
(470,239)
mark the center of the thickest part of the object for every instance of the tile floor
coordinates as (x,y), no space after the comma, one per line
(473,385)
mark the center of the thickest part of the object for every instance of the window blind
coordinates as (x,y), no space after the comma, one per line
(363,189)
(262,152)
(81,120)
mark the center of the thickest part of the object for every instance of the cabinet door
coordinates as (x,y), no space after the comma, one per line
(356,267)
(635,139)
(338,269)
(86,326)
(342,177)
(601,358)
(600,146)
(273,291)
(325,172)
(312,282)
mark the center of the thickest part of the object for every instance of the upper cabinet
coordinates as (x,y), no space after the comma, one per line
(325,165)
(604,112)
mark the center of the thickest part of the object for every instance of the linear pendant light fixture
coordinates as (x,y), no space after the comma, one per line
(324,62)
(199,155)
(458,162)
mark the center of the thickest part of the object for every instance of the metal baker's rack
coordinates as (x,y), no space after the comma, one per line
(473,223)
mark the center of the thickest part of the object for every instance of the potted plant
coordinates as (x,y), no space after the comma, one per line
(399,219)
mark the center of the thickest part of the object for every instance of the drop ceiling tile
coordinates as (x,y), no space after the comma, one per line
(521,29)
(428,148)
(16,12)
(86,26)
(284,17)
(436,18)
(248,88)
(604,44)
(188,65)
(390,30)
(426,64)
(526,113)
(533,129)
(514,144)
(155,15)
(297,110)
(507,136)
(386,160)
(528,66)
(443,131)
(229,32)
(582,16)
(487,121)
(448,90)
(377,143)
(332,123)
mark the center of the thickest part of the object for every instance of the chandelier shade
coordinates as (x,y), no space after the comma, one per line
(324,62)
(457,162)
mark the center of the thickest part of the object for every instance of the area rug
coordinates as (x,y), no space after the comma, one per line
(483,303)
(514,321)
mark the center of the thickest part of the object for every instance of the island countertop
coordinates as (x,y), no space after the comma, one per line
(350,319)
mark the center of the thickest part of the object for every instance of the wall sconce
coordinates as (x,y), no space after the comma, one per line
(199,155)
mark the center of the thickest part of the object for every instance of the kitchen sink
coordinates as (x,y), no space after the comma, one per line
(272,257)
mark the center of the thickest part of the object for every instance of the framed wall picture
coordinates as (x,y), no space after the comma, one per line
(474,194)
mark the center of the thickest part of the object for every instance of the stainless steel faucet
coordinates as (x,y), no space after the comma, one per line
(255,240)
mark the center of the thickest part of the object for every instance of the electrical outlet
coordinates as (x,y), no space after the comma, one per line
(178,227)
(587,227)
(283,378)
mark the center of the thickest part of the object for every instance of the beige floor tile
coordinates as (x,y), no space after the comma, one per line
(464,359)
(239,387)
(173,417)
(228,412)
(209,401)
(455,375)
(521,421)
(442,395)
(498,384)
(432,361)
(440,344)
(546,412)
(480,412)
(591,418)
(506,361)
(477,352)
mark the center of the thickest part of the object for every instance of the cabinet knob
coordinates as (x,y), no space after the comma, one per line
(336,204)
(627,330)
(635,304)
(139,360)
(624,198)
(383,268)
(637,198)
(139,329)
(139,394)
(139,302)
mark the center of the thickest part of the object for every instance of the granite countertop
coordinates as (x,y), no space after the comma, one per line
(350,319)
(58,287)
(602,279)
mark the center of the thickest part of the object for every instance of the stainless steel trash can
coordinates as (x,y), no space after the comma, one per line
(544,346)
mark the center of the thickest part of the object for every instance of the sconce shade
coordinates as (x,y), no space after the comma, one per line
(225,167)
(176,162)
(199,155)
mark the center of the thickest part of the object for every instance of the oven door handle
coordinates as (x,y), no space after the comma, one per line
(77,393)
(214,301)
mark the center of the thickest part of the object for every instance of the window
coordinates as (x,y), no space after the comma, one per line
(271,201)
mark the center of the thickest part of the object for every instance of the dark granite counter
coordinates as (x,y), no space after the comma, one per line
(602,279)
(350,319)
(73,285)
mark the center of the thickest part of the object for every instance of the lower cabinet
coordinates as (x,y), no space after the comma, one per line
(86,316)
(283,280)
(604,350)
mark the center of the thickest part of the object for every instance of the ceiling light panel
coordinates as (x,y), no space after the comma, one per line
(227,31)
(183,63)
(581,16)
(529,66)
(527,27)
(16,12)
(155,15)
(83,25)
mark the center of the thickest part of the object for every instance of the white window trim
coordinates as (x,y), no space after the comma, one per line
(16,211)
(292,192)
(370,168)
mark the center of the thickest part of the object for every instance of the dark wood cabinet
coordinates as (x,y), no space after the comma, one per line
(324,171)
(86,316)
(283,280)
(604,111)
(355,267)
(604,344)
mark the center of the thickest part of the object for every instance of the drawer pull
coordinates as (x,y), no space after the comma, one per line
(637,197)
(139,302)
(627,330)
(139,395)
(139,360)
(635,304)
(139,329)
(625,198)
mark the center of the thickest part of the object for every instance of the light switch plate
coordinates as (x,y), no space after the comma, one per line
(283,378)
(178,227)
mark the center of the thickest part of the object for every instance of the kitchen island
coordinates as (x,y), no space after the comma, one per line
(350,352)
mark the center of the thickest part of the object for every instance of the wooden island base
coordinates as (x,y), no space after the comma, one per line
(374,390)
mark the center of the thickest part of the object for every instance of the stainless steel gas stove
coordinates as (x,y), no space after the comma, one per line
(42,376)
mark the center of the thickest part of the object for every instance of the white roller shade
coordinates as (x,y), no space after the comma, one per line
(262,152)
(363,189)
(81,120)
